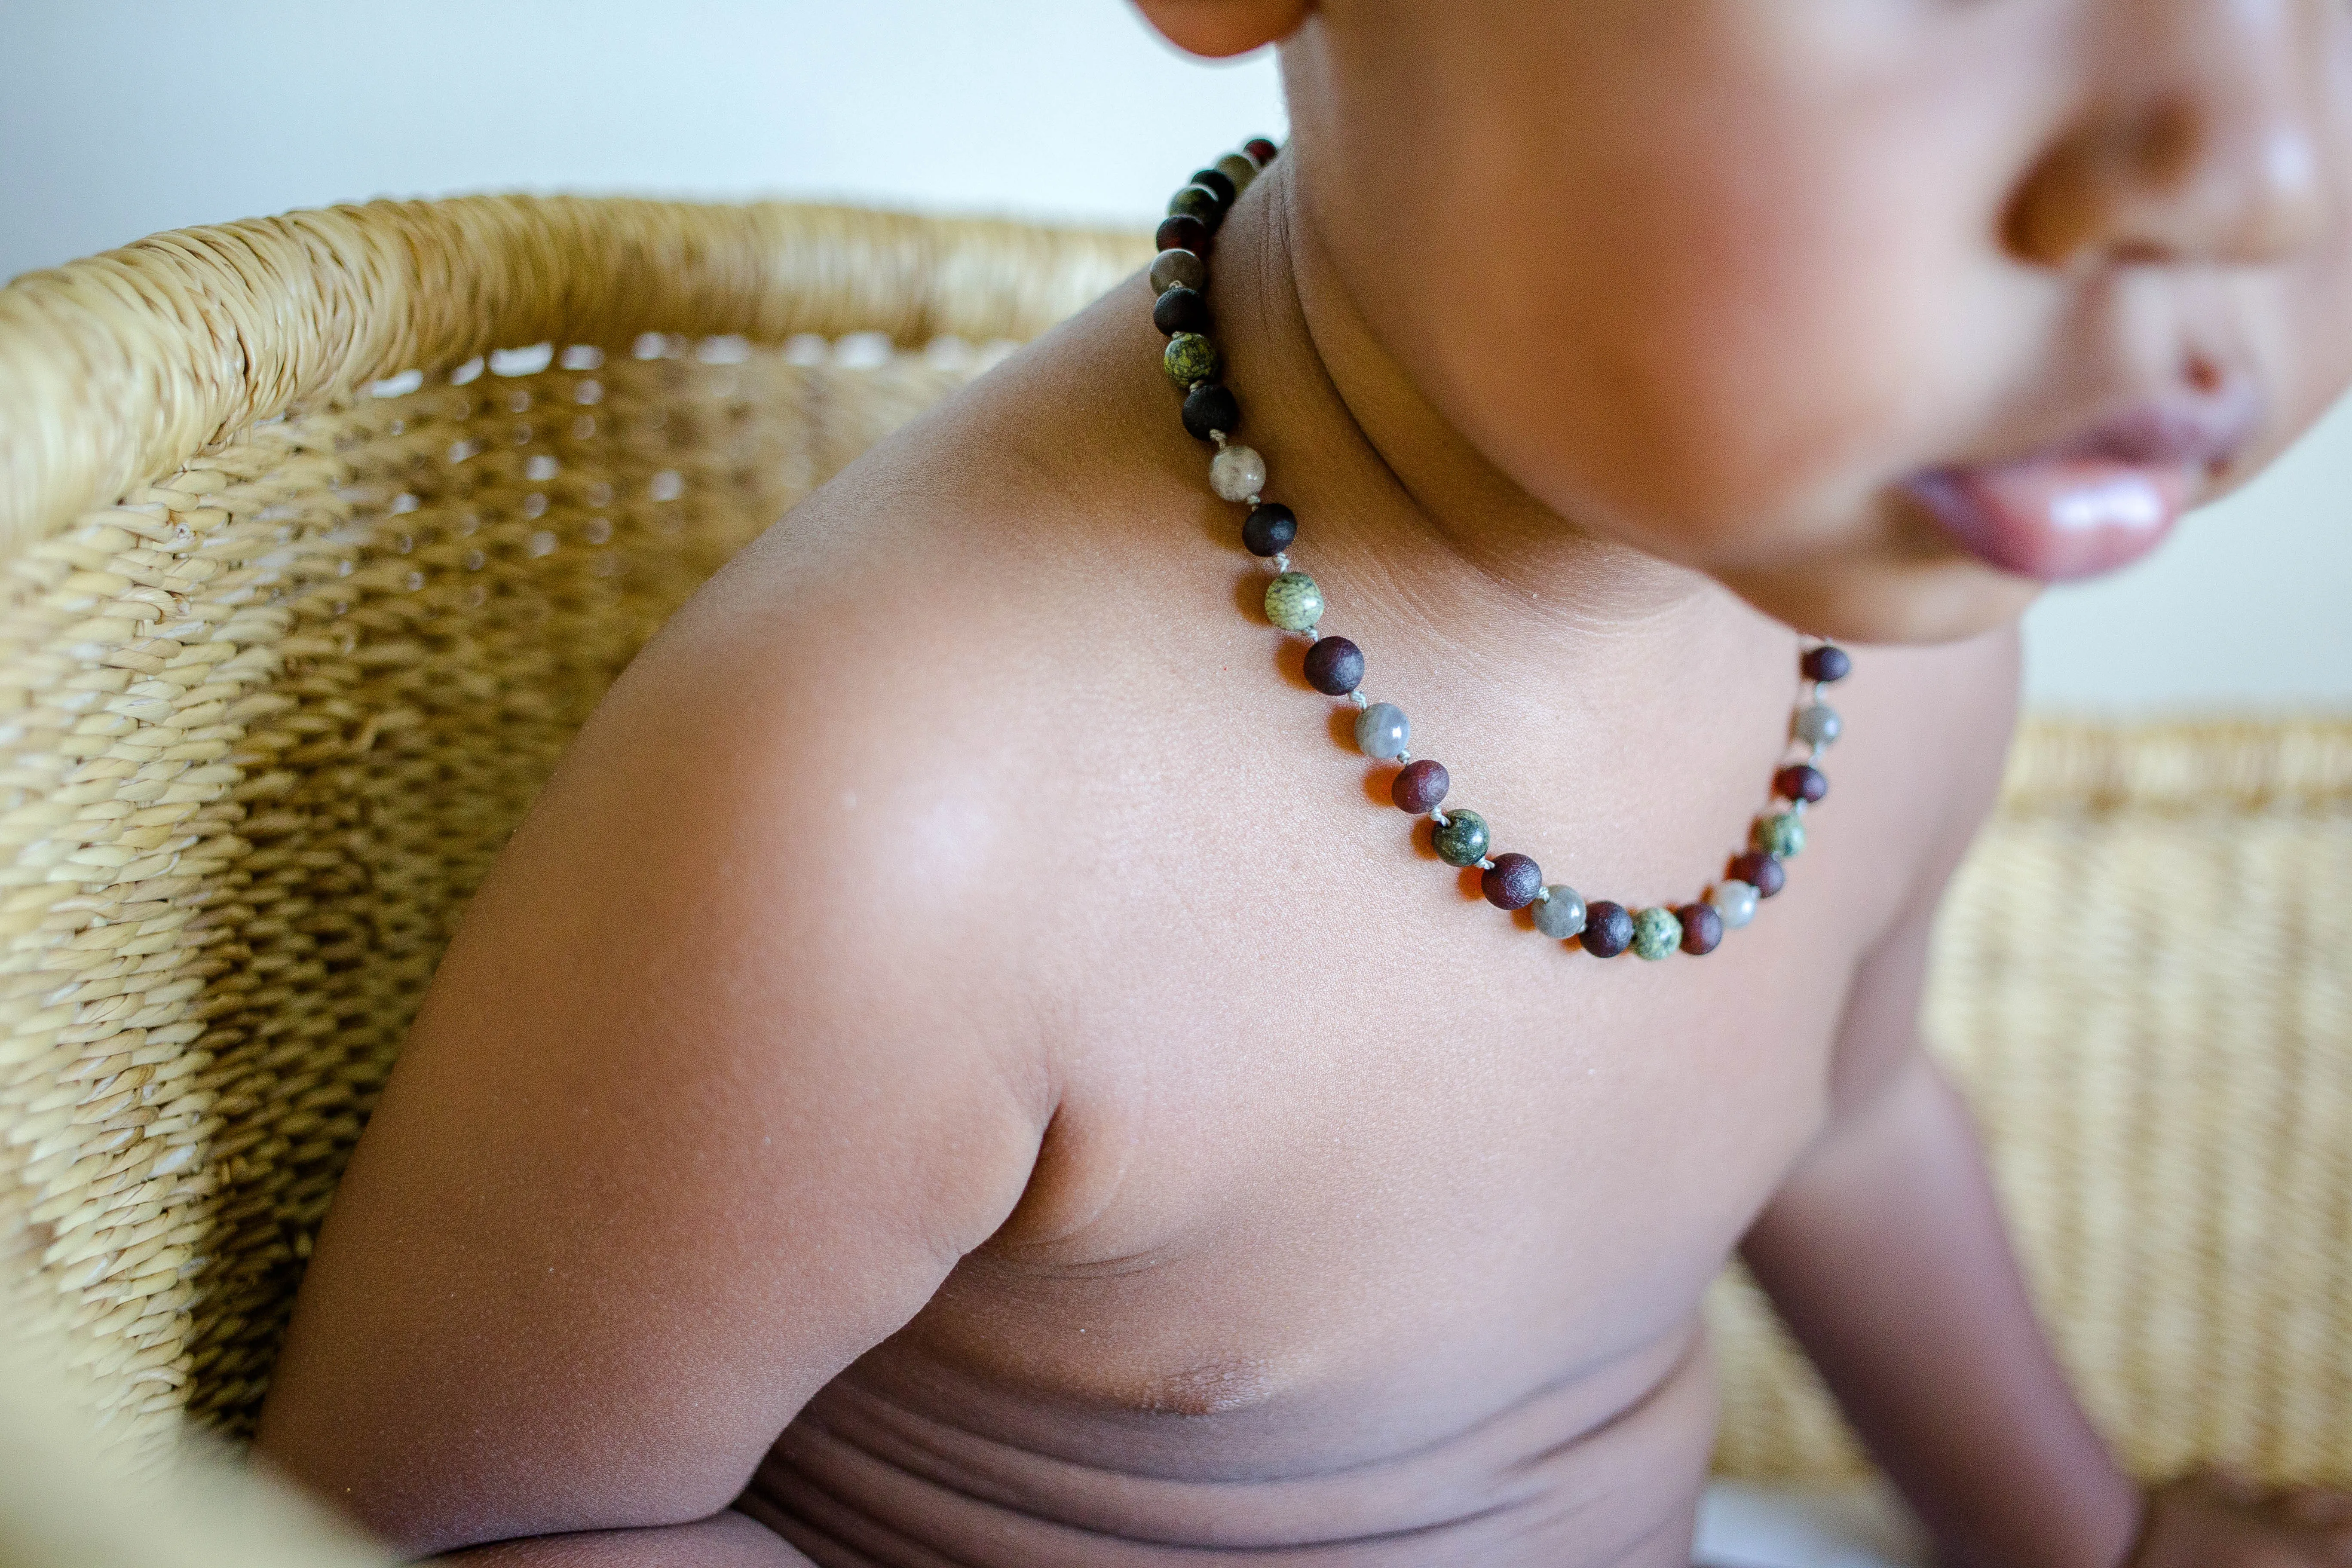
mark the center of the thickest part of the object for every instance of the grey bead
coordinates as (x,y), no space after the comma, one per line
(1561,912)
(1177,269)
(1237,473)
(1381,730)
(1818,725)
(1237,167)
(1735,901)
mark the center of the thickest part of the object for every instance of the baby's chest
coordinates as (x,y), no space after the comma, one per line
(1457,1158)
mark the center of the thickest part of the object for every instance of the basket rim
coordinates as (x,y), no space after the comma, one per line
(2290,762)
(117,369)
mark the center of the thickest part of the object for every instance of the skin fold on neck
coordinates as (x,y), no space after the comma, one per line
(1420,534)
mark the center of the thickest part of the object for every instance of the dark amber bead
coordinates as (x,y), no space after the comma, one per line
(1183,232)
(1827,663)
(1218,183)
(1259,148)
(1419,786)
(1702,928)
(1608,929)
(1512,882)
(1270,528)
(1801,782)
(1759,871)
(1180,309)
(1335,666)
(1210,407)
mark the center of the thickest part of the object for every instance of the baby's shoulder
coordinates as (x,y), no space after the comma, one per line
(926,665)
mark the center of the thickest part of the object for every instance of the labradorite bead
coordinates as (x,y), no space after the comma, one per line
(1261,148)
(1183,232)
(1761,872)
(1270,528)
(1196,200)
(1702,929)
(1178,270)
(1818,725)
(1735,901)
(1780,834)
(1827,663)
(1656,933)
(1512,881)
(1180,310)
(1190,358)
(1237,473)
(1382,731)
(1218,183)
(1335,666)
(1462,840)
(1608,929)
(1561,911)
(1237,167)
(1293,601)
(1420,786)
(1210,406)
(1801,782)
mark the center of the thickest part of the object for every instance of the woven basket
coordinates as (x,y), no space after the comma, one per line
(286,647)
(303,600)
(2143,978)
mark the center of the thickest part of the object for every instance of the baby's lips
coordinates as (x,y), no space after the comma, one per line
(2056,518)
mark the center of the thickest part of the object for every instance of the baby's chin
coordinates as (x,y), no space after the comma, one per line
(1955,550)
(1934,600)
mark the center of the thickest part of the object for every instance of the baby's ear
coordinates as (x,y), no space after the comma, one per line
(1220,27)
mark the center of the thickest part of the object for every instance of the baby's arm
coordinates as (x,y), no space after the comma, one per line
(707,1100)
(1886,1254)
(1884,1250)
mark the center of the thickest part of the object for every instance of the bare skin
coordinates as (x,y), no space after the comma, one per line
(964,1065)
(1247,1180)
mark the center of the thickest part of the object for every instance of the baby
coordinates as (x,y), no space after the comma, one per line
(967,1063)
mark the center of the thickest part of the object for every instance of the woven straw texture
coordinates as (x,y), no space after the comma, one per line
(283,660)
(302,601)
(2143,979)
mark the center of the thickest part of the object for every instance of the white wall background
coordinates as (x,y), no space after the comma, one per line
(121,117)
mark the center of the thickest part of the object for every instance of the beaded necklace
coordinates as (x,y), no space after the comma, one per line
(1335,666)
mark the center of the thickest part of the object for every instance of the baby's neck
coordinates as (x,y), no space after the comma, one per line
(1392,498)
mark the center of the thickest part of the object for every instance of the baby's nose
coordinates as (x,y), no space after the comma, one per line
(2204,132)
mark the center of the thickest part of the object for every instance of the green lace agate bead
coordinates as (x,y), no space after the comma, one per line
(1781,833)
(1190,358)
(1656,932)
(1196,200)
(1293,603)
(1462,840)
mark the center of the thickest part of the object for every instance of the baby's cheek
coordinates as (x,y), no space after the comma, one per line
(1736,353)
(2309,332)
(1793,350)
(1698,273)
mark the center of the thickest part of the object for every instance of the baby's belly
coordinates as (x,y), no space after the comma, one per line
(890,1466)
